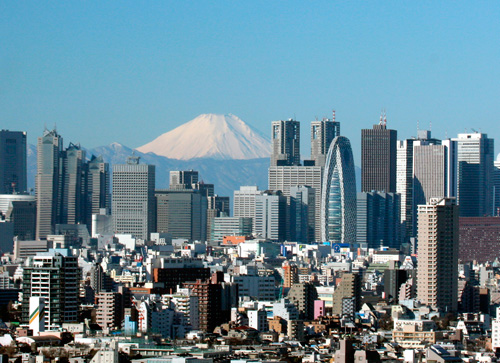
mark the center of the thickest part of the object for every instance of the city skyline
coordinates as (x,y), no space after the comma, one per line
(134,72)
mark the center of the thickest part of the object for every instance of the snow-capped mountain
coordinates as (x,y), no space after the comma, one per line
(211,136)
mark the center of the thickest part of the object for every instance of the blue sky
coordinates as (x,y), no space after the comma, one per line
(128,71)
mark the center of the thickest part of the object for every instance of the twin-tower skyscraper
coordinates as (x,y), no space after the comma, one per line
(329,174)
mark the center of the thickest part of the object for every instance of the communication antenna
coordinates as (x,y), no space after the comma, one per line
(418,125)
(381,117)
(385,118)
(333,115)
(430,125)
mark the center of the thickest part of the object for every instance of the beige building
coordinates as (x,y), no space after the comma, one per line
(437,271)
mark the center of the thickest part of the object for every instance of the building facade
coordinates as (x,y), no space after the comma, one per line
(378,158)
(13,173)
(437,270)
(133,205)
(285,140)
(338,195)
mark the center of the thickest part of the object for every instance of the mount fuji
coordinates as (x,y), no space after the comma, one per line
(215,136)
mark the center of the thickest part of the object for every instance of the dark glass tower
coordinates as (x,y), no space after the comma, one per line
(13,162)
(378,158)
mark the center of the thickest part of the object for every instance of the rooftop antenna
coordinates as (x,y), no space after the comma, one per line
(55,127)
(333,115)
(418,125)
(430,125)
(381,117)
(385,118)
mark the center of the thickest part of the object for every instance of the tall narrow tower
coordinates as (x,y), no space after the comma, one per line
(475,174)
(48,183)
(378,158)
(286,143)
(437,271)
(322,134)
(13,162)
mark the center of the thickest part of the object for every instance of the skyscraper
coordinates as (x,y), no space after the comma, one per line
(437,270)
(302,214)
(73,186)
(434,171)
(496,187)
(378,158)
(286,177)
(378,222)
(285,143)
(182,212)
(322,134)
(98,196)
(244,202)
(183,179)
(48,182)
(133,198)
(338,194)
(13,162)
(475,174)
(270,216)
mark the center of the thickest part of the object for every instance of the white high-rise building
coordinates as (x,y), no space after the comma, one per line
(285,177)
(437,270)
(270,216)
(134,199)
(244,202)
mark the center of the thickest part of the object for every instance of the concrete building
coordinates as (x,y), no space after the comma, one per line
(133,198)
(479,239)
(230,226)
(73,192)
(347,295)
(437,270)
(54,277)
(183,179)
(109,312)
(303,296)
(13,172)
(244,202)
(302,214)
(378,158)
(338,194)
(475,174)
(322,134)
(98,182)
(285,138)
(182,213)
(47,181)
(270,216)
(20,210)
(286,177)
(26,248)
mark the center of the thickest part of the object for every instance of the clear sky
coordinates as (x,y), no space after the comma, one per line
(128,71)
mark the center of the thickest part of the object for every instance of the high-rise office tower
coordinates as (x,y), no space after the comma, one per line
(496,187)
(285,143)
(48,182)
(404,185)
(322,134)
(270,216)
(54,277)
(182,212)
(217,207)
(475,174)
(404,179)
(378,222)
(378,158)
(183,179)
(13,162)
(73,186)
(244,202)
(133,202)
(437,270)
(286,177)
(338,194)
(302,214)
(98,196)
(434,171)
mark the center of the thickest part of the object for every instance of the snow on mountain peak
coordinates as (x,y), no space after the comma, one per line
(211,136)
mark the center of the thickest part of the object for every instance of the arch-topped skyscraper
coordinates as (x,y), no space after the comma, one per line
(338,196)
